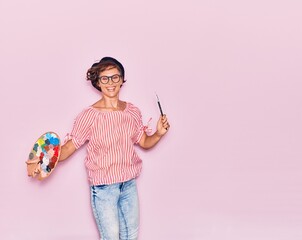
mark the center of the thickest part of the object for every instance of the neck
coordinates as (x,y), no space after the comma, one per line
(110,102)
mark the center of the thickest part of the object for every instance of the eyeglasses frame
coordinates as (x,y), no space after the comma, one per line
(110,78)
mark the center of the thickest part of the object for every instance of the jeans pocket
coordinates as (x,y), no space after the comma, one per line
(98,188)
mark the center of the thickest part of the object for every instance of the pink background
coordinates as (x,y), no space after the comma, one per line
(229,77)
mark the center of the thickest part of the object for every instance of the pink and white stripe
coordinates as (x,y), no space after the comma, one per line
(111,136)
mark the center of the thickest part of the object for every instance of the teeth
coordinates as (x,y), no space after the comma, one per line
(111,89)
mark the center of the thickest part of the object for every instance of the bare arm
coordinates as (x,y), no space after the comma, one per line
(67,150)
(163,125)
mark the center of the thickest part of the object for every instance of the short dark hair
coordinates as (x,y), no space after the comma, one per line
(105,63)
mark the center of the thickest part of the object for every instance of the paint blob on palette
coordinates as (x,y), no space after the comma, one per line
(44,155)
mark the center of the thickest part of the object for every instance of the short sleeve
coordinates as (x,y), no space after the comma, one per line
(82,127)
(139,127)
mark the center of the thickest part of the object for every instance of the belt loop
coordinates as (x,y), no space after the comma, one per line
(121,186)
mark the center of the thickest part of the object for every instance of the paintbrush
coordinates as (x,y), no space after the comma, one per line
(158,102)
(160,109)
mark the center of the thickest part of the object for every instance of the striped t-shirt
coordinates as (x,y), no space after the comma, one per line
(111,157)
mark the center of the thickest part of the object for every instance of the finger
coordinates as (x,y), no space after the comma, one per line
(35,160)
(30,162)
(164,119)
(166,125)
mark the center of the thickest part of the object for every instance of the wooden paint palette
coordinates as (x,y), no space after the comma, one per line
(44,155)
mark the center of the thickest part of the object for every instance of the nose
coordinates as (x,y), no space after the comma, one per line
(110,80)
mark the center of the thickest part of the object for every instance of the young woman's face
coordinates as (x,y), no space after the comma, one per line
(110,81)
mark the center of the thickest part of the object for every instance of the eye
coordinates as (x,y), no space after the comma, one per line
(115,77)
(104,79)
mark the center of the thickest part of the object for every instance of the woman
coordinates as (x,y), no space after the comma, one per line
(111,128)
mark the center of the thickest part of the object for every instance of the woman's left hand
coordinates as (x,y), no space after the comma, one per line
(162,125)
(147,141)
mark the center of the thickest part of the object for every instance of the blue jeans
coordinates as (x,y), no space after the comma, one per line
(116,210)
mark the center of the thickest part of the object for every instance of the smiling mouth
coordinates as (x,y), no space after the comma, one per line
(110,89)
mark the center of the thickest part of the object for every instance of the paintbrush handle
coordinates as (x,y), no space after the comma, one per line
(161,111)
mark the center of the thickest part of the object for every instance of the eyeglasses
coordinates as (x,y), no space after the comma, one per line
(114,78)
